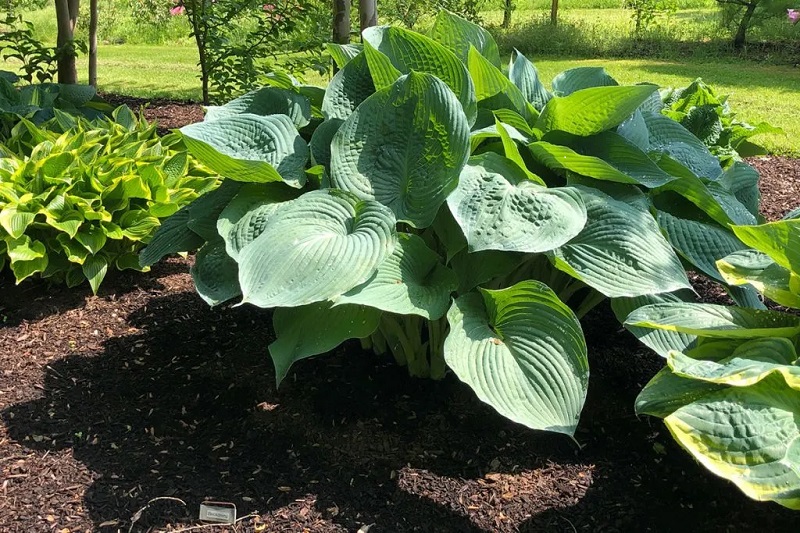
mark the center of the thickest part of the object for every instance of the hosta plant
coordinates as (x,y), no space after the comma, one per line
(449,213)
(79,197)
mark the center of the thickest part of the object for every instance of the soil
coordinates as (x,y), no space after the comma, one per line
(124,411)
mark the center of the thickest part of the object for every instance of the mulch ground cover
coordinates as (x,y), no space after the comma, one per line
(124,411)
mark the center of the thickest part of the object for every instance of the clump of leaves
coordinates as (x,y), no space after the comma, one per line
(452,215)
(709,117)
(78,197)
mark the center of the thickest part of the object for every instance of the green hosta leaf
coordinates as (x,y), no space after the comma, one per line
(748,435)
(411,281)
(204,212)
(24,249)
(477,268)
(250,148)
(95,268)
(494,91)
(93,238)
(404,147)
(348,88)
(342,54)
(137,224)
(315,248)
(171,237)
(524,75)
(625,240)
(667,392)
(779,240)
(578,78)
(699,243)
(557,157)
(266,101)
(666,135)
(522,351)
(321,141)
(412,52)
(74,250)
(449,233)
(294,340)
(501,210)
(458,34)
(715,321)
(215,274)
(591,111)
(742,180)
(14,221)
(751,267)
(658,340)
(381,69)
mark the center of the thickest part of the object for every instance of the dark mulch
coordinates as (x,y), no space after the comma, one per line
(780,184)
(169,114)
(110,402)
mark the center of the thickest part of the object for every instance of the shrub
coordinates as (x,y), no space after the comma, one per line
(450,215)
(78,197)
(17,41)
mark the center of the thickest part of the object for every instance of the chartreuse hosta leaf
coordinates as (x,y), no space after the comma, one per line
(751,267)
(458,34)
(623,239)
(266,101)
(748,435)
(411,281)
(591,111)
(499,208)
(14,221)
(779,240)
(715,321)
(524,75)
(294,340)
(348,88)
(315,248)
(404,147)
(557,157)
(342,54)
(250,148)
(658,340)
(412,52)
(522,351)
(578,78)
(381,69)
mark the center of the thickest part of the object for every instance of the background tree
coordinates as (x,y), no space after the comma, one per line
(508,7)
(93,43)
(66,20)
(341,21)
(368,13)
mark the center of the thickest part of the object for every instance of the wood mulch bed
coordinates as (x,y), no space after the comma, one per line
(123,412)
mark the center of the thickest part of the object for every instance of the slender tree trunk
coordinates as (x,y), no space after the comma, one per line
(554,12)
(341,21)
(368,13)
(741,34)
(508,7)
(93,43)
(66,18)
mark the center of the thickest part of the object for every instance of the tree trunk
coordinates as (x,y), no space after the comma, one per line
(554,12)
(741,34)
(508,7)
(66,18)
(93,43)
(341,21)
(368,13)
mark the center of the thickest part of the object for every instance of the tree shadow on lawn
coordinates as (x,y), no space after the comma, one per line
(188,409)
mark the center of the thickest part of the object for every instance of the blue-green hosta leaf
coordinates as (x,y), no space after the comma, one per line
(751,362)
(668,136)
(215,274)
(658,340)
(411,281)
(715,321)
(315,248)
(449,233)
(266,101)
(412,52)
(342,54)
(348,88)
(294,340)
(634,129)
(320,144)
(621,251)
(779,240)
(95,268)
(250,148)
(524,75)
(458,34)
(591,111)
(522,351)
(742,180)
(667,392)
(751,267)
(171,237)
(578,78)
(494,90)
(248,228)
(501,210)
(748,435)
(792,215)
(404,147)
(477,268)
(699,243)
(14,221)
(204,212)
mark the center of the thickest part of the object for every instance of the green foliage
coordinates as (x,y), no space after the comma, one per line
(18,42)
(646,13)
(80,197)
(450,215)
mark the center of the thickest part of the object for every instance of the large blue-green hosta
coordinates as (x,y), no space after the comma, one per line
(456,216)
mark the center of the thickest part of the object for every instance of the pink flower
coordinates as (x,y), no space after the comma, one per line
(794,15)
(269,8)
(177,10)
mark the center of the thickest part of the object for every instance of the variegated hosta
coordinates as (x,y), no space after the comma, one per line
(450,214)
(730,394)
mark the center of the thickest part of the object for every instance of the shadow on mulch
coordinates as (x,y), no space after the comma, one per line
(188,408)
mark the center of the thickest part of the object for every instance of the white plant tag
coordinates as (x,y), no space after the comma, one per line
(220,512)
